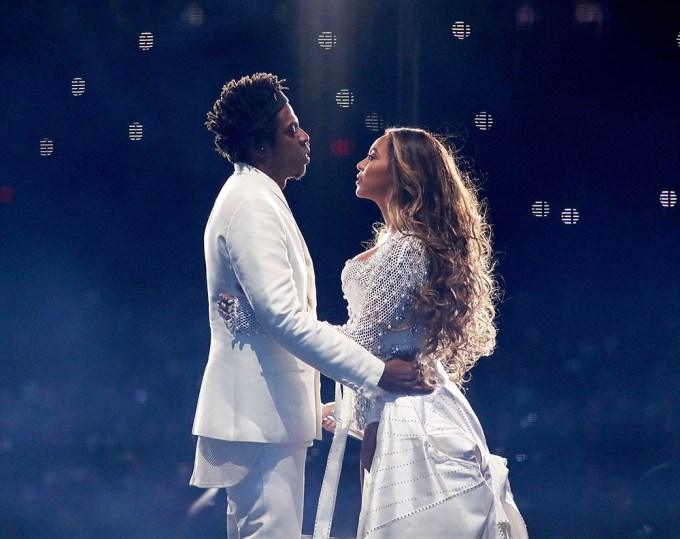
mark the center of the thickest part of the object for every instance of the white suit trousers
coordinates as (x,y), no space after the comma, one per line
(268,502)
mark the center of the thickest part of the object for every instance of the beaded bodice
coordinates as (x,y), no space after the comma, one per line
(380,293)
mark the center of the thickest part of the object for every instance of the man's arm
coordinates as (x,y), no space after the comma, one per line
(257,246)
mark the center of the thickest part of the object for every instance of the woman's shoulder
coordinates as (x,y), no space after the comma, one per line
(403,251)
(397,246)
(365,255)
(406,243)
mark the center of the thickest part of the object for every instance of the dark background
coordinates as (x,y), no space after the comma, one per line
(103,323)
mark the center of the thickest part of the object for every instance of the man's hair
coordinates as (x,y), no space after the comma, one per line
(238,119)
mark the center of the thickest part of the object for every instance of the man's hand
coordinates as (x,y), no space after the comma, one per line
(402,376)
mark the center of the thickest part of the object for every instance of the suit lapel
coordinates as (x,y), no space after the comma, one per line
(311,283)
(276,190)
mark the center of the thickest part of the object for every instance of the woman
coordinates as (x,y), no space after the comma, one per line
(425,290)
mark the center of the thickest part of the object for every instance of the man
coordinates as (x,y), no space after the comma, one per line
(259,404)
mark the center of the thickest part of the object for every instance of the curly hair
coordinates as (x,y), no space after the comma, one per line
(239,105)
(433,200)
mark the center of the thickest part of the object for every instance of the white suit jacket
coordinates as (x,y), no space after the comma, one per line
(264,387)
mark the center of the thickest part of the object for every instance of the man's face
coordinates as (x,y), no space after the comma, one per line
(289,155)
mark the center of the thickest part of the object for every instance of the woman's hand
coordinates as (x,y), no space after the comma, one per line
(328,422)
(238,316)
(225,306)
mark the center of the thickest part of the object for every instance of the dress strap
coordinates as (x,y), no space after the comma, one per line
(331,478)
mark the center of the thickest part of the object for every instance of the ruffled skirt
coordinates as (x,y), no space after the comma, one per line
(433,476)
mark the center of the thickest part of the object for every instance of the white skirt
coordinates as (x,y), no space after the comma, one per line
(433,475)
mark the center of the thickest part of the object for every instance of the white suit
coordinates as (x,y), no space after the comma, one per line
(264,386)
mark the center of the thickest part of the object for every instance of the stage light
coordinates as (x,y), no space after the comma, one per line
(344,98)
(136,130)
(145,41)
(570,216)
(528,420)
(677,39)
(327,40)
(483,121)
(6,194)
(374,122)
(526,16)
(141,396)
(589,13)
(520,457)
(341,147)
(77,86)
(193,15)
(668,199)
(460,29)
(540,208)
(46,147)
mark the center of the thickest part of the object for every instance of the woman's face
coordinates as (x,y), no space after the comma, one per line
(375,175)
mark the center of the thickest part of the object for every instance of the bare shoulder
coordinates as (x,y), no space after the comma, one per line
(398,246)
(365,255)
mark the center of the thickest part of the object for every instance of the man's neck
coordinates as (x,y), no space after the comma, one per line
(269,171)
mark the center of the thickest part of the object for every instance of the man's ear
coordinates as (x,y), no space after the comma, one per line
(257,152)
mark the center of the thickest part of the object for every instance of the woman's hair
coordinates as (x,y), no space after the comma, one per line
(433,200)
(234,116)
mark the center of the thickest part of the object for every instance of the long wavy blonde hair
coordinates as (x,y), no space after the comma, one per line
(433,200)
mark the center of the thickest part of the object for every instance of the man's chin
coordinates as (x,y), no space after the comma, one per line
(298,176)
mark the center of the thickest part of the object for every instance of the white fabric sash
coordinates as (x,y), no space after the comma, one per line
(331,478)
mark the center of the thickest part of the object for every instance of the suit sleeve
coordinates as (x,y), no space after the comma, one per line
(257,248)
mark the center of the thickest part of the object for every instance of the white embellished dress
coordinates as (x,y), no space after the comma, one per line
(432,474)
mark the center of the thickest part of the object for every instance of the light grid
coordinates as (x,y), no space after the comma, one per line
(46,147)
(193,15)
(374,122)
(540,208)
(6,194)
(526,16)
(342,147)
(570,216)
(589,13)
(460,30)
(327,40)
(529,420)
(145,41)
(668,199)
(483,121)
(136,131)
(77,86)
(344,98)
